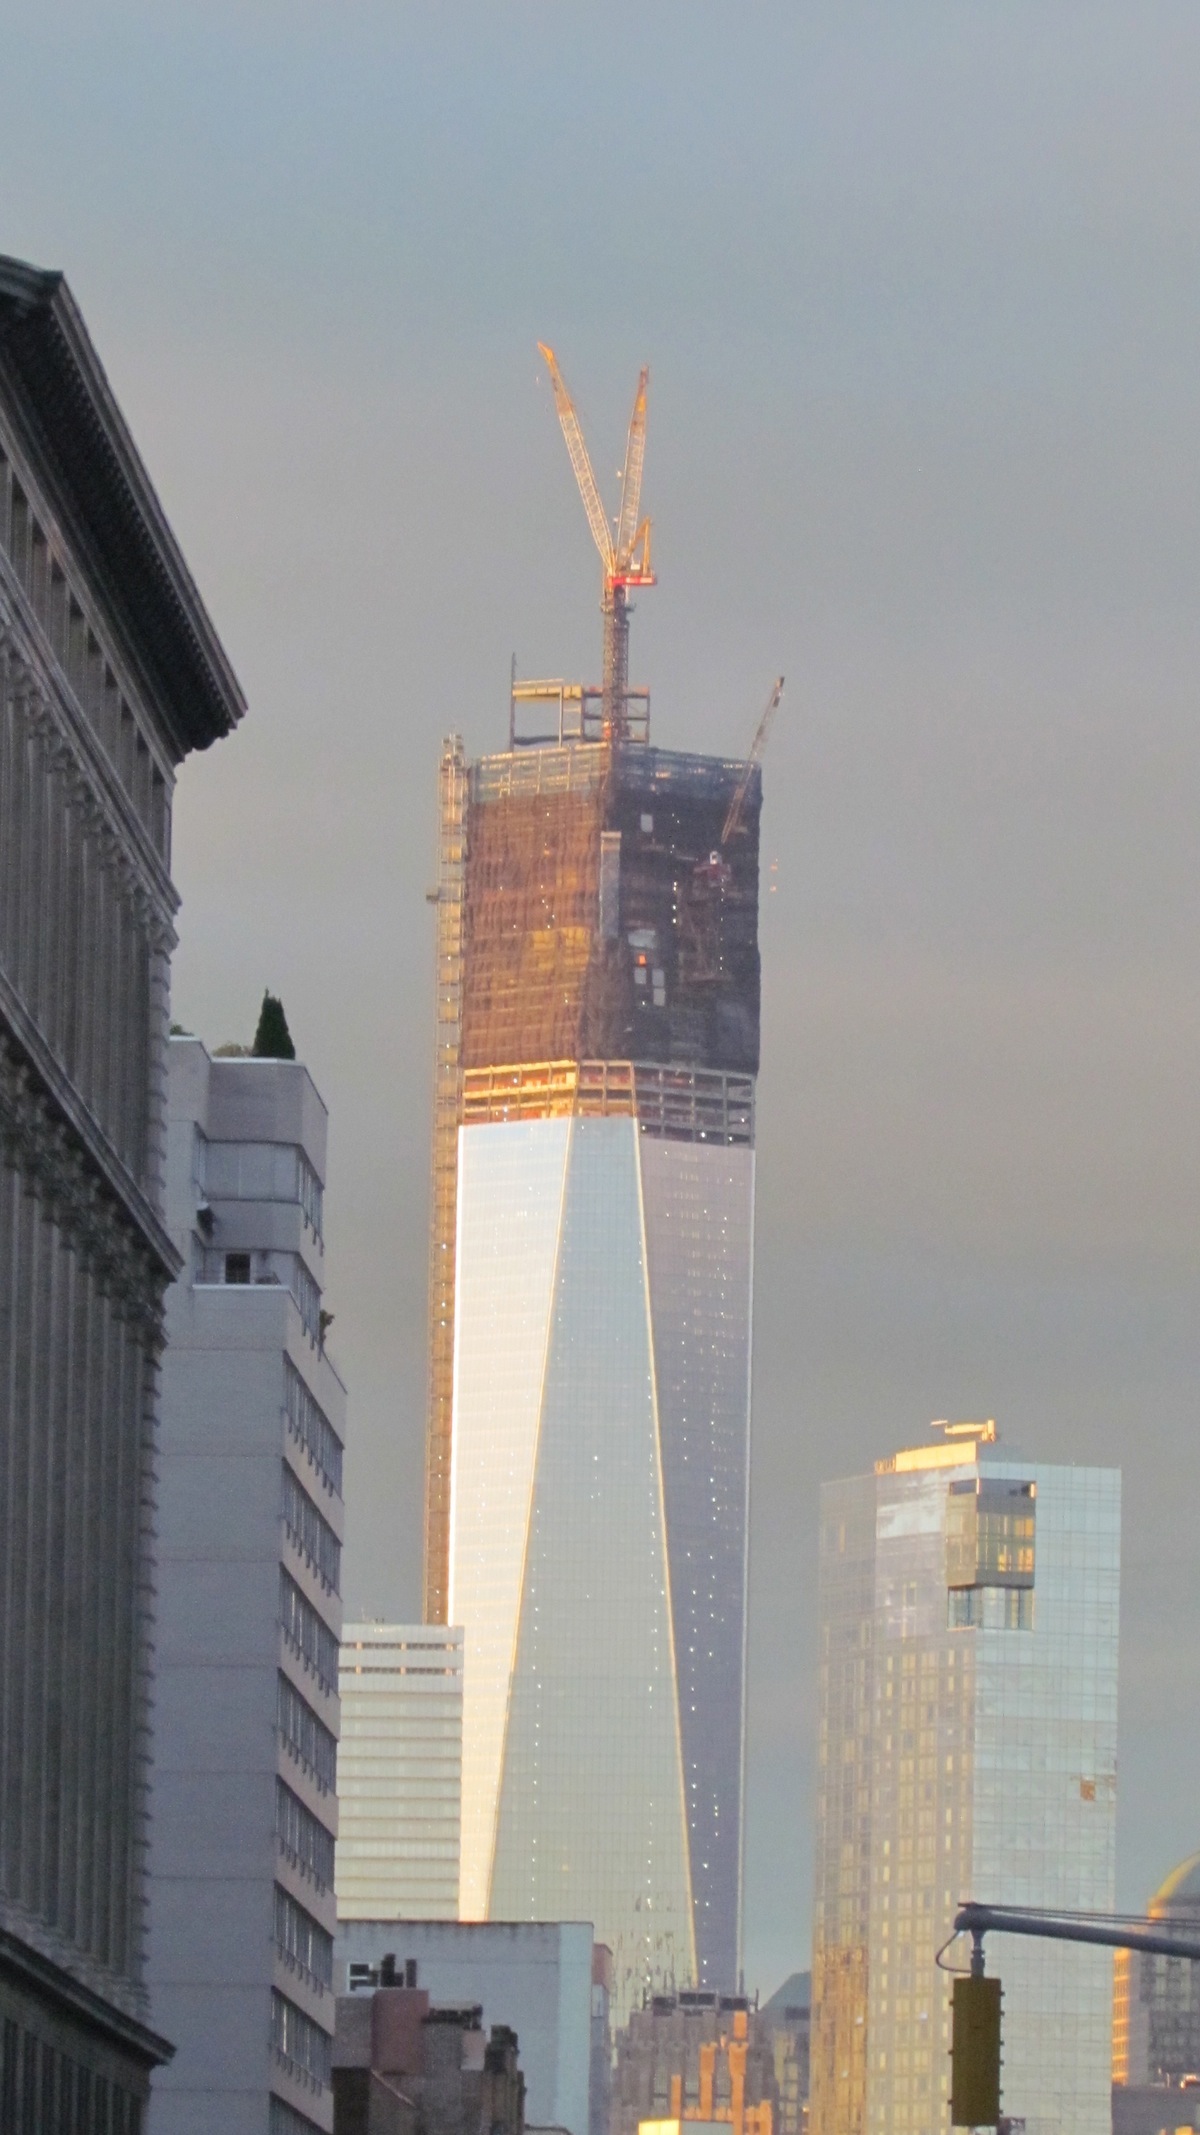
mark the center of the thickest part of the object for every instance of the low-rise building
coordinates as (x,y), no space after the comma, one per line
(535,1977)
(404,2067)
(695,2057)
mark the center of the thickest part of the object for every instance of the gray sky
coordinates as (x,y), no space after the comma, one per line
(919,290)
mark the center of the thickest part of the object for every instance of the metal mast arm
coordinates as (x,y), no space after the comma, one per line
(581,462)
(980,1920)
(628,527)
(733,821)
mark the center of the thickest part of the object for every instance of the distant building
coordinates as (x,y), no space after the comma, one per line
(1156,2021)
(536,1977)
(249,1581)
(591,1256)
(694,2057)
(399,1772)
(788,2019)
(110,674)
(967,1749)
(404,2067)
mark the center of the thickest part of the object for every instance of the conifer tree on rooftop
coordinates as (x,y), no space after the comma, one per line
(272,1039)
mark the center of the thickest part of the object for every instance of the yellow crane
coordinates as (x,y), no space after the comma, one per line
(626,559)
(733,821)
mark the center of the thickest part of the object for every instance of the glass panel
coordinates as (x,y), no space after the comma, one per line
(510,1186)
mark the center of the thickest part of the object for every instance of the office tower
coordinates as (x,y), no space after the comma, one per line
(695,2057)
(537,1977)
(593,1193)
(1156,2020)
(787,2018)
(968,1734)
(110,673)
(249,1615)
(399,1772)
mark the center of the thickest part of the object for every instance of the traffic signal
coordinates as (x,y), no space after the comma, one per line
(975,2053)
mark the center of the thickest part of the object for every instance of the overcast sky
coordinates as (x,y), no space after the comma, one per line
(918,286)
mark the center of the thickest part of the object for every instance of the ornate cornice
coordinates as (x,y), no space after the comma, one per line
(151,900)
(49,1156)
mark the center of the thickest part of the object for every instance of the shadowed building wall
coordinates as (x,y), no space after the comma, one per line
(110,672)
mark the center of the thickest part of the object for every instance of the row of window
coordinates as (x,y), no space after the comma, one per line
(79,655)
(309,1424)
(285,2120)
(303,1836)
(302,1939)
(306,1736)
(298,2040)
(41,2088)
(308,1632)
(263,1171)
(311,1532)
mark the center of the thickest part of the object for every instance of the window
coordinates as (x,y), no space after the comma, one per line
(309,1633)
(311,1427)
(310,1531)
(990,1533)
(266,1171)
(302,1836)
(309,1741)
(237,1267)
(298,2040)
(301,1940)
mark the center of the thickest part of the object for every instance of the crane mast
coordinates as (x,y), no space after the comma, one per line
(625,560)
(737,806)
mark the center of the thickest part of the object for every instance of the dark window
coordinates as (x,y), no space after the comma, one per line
(237,1267)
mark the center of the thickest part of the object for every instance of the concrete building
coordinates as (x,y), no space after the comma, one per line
(399,1772)
(537,1978)
(1156,2020)
(250,1525)
(404,2067)
(695,2058)
(110,673)
(967,1747)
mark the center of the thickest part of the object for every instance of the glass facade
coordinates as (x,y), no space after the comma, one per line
(598,1535)
(967,1749)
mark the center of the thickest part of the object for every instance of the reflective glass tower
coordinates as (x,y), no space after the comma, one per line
(591,1287)
(968,1736)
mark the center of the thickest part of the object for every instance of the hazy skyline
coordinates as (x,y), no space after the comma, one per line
(919,293)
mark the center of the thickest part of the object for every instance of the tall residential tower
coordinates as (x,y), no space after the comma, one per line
(968,1743)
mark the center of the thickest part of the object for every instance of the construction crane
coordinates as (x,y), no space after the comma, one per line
(625,560)
(737,806)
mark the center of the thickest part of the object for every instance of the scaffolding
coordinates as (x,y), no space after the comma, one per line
(449,898)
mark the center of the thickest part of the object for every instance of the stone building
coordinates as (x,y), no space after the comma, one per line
(695,2056)
(110,673)
(402,2067)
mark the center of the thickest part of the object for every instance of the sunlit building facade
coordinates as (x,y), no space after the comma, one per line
(967,1749)
(399,1772)
(1156,2020)
(594,1185)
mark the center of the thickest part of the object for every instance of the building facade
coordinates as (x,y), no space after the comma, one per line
(598,1015)
(110,673)
(399,1772)
(1156,2020)
(404,2067)
(250,1527)
(967,1749)
(535,1977)
(695,2060)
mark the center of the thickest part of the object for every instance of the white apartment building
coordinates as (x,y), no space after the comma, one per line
(400,1772)
(248,1611)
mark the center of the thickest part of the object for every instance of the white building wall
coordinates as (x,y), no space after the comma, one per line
(242,1904)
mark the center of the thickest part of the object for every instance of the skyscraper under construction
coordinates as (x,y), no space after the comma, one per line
(593,1196)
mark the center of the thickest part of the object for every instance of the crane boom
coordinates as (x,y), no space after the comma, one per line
(628,527)
(733,821)
(580,461)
